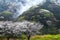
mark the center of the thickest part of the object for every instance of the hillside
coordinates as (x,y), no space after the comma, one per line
(48,14)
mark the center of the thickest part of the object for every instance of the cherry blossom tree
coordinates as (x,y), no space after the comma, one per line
(13,29)
(31,28)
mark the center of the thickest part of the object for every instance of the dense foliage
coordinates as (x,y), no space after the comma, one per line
(48,14)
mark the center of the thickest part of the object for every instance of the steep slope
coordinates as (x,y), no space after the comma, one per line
(48,14)
(43,16)
(53,7)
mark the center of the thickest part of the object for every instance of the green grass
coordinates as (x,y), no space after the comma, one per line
(42,37)
(46,37)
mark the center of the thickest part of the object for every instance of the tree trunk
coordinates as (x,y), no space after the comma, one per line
(28,37)
(8,38)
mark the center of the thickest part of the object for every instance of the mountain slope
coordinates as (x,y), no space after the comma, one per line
(48,14)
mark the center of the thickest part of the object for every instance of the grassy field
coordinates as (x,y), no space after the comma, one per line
(46,37)
(41,37)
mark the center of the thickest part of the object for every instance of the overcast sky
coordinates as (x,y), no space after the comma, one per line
(58,1)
